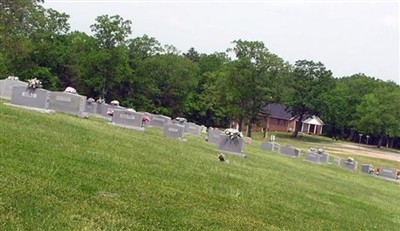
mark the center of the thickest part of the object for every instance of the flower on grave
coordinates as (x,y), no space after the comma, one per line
(180,119)
(90,100)
(13,78)
(350,159)
(100,100)
(233,133)
(34,83)
(70,90)
(145,119)
(221,157)
(115,102)
(110,112)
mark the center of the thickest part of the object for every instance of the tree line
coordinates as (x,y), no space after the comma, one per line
(210,89)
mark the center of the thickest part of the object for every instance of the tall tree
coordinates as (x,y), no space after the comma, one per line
(379,113)
(110,64)
(165,83)
(253,80)
(308,82)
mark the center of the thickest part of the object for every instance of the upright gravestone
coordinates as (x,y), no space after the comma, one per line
(390,173)
(367,168)
(213,136)
(324,157)
(67,103)
(160,121)
(192,129)
(313,157)
(336,162)
(7,85)
(174,131)
(270,146)
(232,146)
(34,98)
(128,119)
(290,151)
(352,165)
(91,107)
(107,108)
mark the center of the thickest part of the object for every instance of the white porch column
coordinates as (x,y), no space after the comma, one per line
(315,129)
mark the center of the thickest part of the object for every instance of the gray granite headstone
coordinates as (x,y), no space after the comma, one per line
(324,157)
(213,136)
(174,131)
(128,119)
(313,157)
(67,103)
(6,87)
(276,147)
(91,107)
(336,162)
(37,98)
(109,107)
(232,146)
(352,165)
(290,151)
(160,121)
(366,168)
(270,146)
(388,173)
(192,129)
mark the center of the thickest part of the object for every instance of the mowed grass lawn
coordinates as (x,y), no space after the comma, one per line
(59,172)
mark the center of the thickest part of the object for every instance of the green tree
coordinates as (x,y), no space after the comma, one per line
(110,64)
(252,80)
(379,113)
(165,83)
(308,83)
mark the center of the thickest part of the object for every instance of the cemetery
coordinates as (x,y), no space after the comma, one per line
(150,143)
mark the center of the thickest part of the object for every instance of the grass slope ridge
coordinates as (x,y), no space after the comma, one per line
(60,172)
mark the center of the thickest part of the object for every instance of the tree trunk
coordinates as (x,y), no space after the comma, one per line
(265,128)
(351,135)
(250,127)
(380,142)
(391,143)
(240,124)
(298,126)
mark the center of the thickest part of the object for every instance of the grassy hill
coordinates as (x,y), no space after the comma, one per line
(59,172)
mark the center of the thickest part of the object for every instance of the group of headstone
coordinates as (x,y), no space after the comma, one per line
(384,172)
(287,150)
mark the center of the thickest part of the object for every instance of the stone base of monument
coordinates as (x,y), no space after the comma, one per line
(49,111)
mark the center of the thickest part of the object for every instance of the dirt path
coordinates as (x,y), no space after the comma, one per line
(362,150)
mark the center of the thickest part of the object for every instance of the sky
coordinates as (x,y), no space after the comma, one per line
(348,37)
